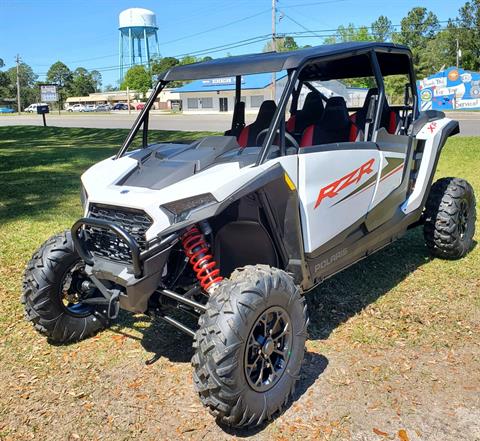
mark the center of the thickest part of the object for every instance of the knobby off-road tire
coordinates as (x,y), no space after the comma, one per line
(450,218)
(238,309)
(43,285)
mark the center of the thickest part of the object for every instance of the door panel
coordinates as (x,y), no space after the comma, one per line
(392,165)
(336,189)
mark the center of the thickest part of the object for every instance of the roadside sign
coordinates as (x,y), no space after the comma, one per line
(42,110)
(48,93)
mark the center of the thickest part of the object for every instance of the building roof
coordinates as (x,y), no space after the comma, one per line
(258,81)
(391,59)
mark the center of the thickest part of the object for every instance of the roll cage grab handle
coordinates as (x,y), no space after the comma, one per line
(293,75)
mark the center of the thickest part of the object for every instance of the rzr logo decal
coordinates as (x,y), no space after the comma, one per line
(332,190)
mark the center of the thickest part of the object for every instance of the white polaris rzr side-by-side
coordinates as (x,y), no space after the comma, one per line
(235,229)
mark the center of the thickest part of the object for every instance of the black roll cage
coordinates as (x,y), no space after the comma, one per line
(292,88)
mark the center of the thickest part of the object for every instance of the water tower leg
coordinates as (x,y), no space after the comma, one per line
(147,51)
(132,53)
(156,43)
(140,56)
(120,57)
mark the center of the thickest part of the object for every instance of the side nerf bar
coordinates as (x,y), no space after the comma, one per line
(119,232)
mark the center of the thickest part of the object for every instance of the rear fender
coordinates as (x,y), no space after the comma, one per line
(435,134)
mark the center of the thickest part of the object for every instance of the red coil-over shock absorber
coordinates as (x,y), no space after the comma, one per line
(197,250)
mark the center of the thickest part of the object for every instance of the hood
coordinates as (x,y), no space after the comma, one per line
(161,166)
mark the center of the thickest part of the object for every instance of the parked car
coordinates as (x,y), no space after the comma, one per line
(120,106)
(139,106)
(90,108)
(103,108)
(6,110)
(32,108)
(76,108)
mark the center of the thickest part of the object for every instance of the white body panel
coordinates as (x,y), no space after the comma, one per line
(353,181)
(322,221)
(220,180)
(431,133)
(390,180)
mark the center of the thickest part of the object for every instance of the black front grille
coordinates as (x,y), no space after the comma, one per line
(105,243)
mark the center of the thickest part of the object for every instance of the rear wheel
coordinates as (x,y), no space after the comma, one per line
(51,288)
(250,346)
(450,218)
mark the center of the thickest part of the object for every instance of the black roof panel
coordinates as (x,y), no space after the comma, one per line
(278,61)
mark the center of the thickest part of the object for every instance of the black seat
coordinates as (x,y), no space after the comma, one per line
(311,113)
(335,125)
(248,135)
(238,120)
(389,117)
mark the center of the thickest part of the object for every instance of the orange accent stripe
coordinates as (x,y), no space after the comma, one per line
(395,170)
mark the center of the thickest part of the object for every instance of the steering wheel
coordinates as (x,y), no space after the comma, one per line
(293,142)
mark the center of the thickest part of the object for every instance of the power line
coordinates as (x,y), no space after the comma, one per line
(299,24)
(217,27)
(233,45)
(297,5)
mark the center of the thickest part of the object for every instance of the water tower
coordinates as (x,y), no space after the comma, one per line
(138,38)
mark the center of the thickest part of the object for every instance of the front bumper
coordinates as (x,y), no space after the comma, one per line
(141,277)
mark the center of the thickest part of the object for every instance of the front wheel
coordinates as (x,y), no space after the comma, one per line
(450,218)
(51,293)
(250,346)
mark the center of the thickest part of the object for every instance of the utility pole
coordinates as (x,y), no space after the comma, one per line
(274,46)
(19,108)
(458,53)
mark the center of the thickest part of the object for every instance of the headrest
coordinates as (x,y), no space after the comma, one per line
(240,106)
(313,104)
(266,112)
(335,113)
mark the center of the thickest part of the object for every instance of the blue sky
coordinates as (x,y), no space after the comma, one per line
(84,33)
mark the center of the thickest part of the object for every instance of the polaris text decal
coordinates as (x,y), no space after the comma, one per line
(332,190)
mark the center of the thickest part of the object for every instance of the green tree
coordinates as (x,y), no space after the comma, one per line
(1,63)
(382,29)
(159,65)
(349,33)
(29,91)
(137,78)
(283,44)
(468,34)
(96,77)
(82,83)
(60,74)
(188,59)
(440,51)
(416,29)
(110,88)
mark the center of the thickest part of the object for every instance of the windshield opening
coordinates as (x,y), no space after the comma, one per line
(242,107)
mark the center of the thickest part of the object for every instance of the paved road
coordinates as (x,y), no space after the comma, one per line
(120,120)
(469,121)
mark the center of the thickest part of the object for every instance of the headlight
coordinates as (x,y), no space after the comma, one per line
(182,208)
(83,197)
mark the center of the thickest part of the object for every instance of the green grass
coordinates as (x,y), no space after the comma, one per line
(397,298)
(40,171)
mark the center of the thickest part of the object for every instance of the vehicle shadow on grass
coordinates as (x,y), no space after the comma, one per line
(330,305)
(349,292)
